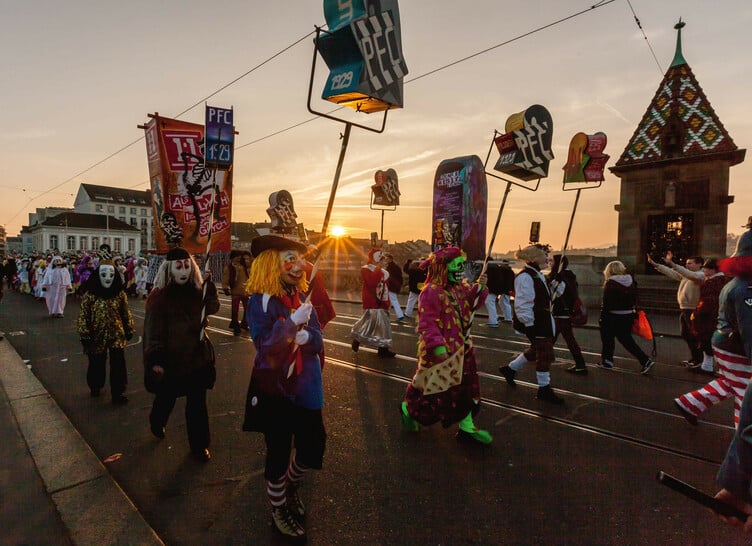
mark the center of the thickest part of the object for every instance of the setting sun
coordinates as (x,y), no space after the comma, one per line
(338,231)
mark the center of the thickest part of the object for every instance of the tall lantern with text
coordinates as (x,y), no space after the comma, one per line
(362,48)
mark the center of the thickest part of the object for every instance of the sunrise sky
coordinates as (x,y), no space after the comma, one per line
(79,76)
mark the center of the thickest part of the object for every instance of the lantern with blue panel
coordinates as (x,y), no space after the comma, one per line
(363,50)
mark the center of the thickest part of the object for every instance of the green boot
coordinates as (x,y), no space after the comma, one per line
(469,432)
(408,423)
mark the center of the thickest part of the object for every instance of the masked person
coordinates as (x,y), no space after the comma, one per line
(532,317)
(55,286)
(234,279)
(373,328)
(445,386)
(105,325)
(286,392)
(178,360)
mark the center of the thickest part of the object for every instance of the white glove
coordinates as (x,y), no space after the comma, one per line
(302,337)
(301,315)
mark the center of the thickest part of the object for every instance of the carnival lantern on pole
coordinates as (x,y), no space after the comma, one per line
(363,49)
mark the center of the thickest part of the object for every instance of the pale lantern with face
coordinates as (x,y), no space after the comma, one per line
(106,275)
(180,270)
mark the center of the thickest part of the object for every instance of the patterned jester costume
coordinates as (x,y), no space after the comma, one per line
(446,305)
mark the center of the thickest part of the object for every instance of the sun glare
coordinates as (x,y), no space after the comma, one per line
(338,231)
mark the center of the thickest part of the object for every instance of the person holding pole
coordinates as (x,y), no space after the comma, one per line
(178,360)
(563,285)
(445,386)
(532,317)
(286,392)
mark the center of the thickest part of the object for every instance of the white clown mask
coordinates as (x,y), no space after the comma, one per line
(180,270)
(106,275)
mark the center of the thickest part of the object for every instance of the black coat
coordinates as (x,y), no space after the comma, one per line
(172,326)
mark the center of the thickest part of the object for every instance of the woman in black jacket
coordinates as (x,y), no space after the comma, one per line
(617,316)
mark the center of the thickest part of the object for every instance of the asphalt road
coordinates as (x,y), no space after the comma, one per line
(579,474)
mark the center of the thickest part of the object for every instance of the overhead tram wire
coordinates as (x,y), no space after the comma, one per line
(113,154)
(453,63)
(639,25)
(600,4)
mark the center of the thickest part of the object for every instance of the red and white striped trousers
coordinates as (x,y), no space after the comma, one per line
(735,373)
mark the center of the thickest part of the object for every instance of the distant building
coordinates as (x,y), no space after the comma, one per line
(41,214)
(74,231)
(3,243)
(132,207)
(675,174)
(13,245)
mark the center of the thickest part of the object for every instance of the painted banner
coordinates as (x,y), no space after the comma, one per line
(386,189)
(363,50)
(220,137)
(586,160)
(182,188)
(460,202)
(525,147)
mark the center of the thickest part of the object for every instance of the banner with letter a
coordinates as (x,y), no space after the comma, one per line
(182,188)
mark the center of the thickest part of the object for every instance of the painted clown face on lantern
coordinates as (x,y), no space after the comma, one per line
(291,267)
(180,270)
(456,269)
(106,275)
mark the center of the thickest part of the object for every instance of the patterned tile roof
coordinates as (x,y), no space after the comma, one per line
(678,106)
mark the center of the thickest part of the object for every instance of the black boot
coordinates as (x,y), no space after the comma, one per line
(235,327)
(508,374)
(385,352)
(547,394)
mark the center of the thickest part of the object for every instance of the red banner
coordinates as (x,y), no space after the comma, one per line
(182,188)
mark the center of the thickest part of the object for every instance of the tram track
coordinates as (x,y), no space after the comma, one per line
(591,429)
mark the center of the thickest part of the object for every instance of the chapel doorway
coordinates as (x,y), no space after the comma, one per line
(674,232)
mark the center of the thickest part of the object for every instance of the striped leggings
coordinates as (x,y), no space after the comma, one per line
(735,373)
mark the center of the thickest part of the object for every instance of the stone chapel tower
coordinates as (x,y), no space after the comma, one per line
(675,174)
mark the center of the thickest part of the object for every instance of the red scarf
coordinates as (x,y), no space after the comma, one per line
(292,302)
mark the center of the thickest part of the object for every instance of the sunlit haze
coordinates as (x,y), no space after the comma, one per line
(80,76)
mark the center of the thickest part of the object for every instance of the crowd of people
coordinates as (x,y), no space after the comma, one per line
(285,308)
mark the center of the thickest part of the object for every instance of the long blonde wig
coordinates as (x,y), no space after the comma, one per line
(265,278)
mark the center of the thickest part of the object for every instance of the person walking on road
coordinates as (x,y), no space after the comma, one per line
(55,286)
(705,316)
(500,287)
(394,284)
(731,341)
(416,278)
(178,360)
(445,386)
(234,279)
(563,286)
(105,325)
(286,392)
(532,317)
(373,328)
(617,317)
(687,295)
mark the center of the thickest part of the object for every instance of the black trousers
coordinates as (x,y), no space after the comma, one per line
(564,327)
(97,371)
(196,414)
(302,427)
(619,327)
(685,330)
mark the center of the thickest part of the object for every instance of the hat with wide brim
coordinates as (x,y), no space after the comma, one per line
(275,242)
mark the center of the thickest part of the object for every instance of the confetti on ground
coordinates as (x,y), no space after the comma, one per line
(112,458)
(63,360)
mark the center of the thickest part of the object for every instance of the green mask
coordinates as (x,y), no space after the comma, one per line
(455,270)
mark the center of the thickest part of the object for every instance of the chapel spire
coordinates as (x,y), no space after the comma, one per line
(678,57)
